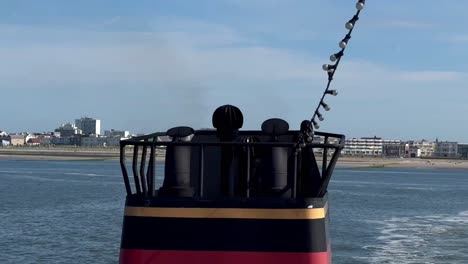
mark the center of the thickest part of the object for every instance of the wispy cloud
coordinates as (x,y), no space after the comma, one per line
(432,76)
(404,24)
(458,38)
(190,54)
(196,65)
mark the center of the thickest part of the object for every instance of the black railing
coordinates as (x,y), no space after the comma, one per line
(144,165)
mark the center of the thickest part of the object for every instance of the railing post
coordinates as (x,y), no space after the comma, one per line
(325,156)
(248,172)
(327,174)
(135,170)
(202,169)
(294,183)
(124,170)
(142,169)
(153,169)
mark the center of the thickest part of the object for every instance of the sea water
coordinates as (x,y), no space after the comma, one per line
(71,212)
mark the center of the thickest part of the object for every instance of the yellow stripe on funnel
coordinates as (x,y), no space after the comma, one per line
(235,213)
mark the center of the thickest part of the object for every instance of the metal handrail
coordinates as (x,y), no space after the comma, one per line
(239,144)
(145,184)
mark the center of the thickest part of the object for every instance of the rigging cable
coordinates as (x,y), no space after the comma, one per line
(306,126)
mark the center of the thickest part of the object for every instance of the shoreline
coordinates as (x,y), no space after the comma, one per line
(415,163)
(65,154)
(114,154)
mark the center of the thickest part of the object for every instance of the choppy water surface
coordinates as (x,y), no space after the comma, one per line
(71,212)
(400,216)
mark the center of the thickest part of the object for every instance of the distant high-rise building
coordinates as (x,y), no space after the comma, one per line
(89,126)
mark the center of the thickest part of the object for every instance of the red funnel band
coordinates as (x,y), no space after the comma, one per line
(136,256)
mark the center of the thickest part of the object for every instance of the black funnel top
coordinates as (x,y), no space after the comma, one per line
(227,119)
(275,127)
(176,133)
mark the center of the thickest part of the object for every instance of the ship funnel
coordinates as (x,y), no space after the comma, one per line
(275,176)
(177,165)
(227,120)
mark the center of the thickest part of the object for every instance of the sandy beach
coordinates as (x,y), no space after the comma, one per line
(351,162)
(64,154)
(113,154)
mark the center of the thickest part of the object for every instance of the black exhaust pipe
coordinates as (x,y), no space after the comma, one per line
(275,178)
(177,166)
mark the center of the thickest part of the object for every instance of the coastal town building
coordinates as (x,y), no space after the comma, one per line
(98,141)
(34,141)
(445,149)
(28,137)
(72,141)
(426,147)
(115,133)
(412,151)
(418,149)
(86,132)
(392,148)
(46,139)
(17,140)
(113,141)
(91,141)
(89,126)
(68,130)
(365,146)
(463,150)
(4,139)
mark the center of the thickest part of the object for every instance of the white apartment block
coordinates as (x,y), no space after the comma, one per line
(366,146)
(426,148)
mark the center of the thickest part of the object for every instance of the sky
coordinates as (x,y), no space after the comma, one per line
(149,65)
